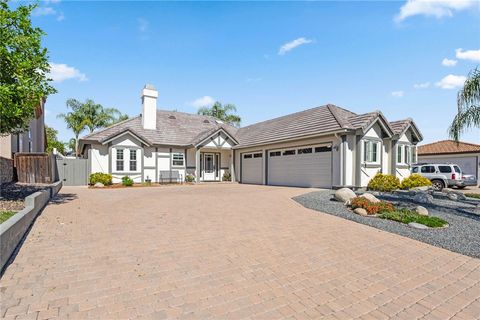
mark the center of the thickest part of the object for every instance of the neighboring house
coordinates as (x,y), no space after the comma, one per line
(32,140)
(466,155)
(321,147)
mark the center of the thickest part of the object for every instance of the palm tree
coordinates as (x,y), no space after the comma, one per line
(222,112)
(468,103)
(76,122)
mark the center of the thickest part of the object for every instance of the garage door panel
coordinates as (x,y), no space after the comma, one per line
(252,169)
(302,170)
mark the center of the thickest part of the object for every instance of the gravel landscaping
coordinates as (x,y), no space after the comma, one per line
(12,195)
(462,234)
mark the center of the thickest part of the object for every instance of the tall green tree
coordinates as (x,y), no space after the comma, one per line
(52,140)
(89,116)
(468,105)
(24,68)
(225,113)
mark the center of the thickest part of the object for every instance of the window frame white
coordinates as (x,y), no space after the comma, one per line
(127,159)
(182,159)
(365,151)
(406,155)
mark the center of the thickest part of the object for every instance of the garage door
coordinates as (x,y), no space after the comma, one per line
(252,164)
(309,166)
(467,164)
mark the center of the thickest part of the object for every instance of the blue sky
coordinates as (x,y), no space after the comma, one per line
(405,59)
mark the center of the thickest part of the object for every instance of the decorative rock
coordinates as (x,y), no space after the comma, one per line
(361,211)
(447,190)
(421,211)
(452,196)
(98,185)
(423,197)
(370,197)
(422,188)
(417,225)
(344,195)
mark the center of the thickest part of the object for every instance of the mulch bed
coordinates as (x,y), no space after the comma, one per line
(141,185)
(12,195)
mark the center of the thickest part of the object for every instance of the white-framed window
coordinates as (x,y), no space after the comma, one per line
(133,160)
(371,151)
(178,159)
(406,154)
(414,154)
(119,160)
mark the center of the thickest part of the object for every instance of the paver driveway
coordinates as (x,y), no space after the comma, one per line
(226,251)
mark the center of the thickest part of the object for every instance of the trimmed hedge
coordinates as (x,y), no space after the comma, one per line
(415,180)
(384,183)
(127,181)
(101,177)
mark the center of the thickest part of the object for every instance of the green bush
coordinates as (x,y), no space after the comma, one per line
(189,178)
(104,178)
(415,180)
(473,195)
(406,216)
(227,176)
(384,183)
(127,181)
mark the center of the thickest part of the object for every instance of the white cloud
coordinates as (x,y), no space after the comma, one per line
(473,55)
(449,62)
(44,11)
(204,101)
(60,16)
(60,72)
(397,94)
(451,82)
(142,24)
(435,8)
(423,85)
(293,44)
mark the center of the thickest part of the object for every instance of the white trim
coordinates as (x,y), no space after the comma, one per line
(214,133)
(125,133)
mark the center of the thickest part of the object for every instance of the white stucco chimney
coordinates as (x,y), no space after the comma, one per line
(149,107)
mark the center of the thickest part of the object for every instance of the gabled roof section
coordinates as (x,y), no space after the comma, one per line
(210,133)
(448,147)
(319,120)
(365,121)
(123,132)
(173,128)
(401,126)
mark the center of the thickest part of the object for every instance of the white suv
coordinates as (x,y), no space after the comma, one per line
(442,175)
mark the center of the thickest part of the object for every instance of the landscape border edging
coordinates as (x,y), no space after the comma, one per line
(14,229)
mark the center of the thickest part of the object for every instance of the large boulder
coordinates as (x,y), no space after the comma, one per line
(421,211)
(98,185)
(423,197)
(344,195)
(456,195)
(361,211)
(417,225)
(370,197)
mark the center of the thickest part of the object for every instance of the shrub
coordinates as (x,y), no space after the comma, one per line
(371,207)
(189,178)
(406,216)
(384,183)
(104,178)
(227,176)
(127,181)
(415,180)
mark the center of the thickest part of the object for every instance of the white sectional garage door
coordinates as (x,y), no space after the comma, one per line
(306,166)
(252,164)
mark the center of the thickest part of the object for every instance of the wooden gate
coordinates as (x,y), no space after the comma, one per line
(73,172)
(34,167)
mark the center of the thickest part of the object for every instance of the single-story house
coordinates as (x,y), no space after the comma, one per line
(466,155)
(320,147)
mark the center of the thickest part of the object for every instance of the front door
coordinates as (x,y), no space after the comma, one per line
(209,167)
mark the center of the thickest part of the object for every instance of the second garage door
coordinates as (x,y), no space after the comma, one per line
(252,168)
(309,166)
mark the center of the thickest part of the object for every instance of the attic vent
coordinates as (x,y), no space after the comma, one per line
(172,117)
(206,121)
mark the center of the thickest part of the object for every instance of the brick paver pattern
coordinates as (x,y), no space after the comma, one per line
(225,251)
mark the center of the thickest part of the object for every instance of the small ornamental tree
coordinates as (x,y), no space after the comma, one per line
(24,68)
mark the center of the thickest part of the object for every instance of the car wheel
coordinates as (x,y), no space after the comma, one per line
(437,185)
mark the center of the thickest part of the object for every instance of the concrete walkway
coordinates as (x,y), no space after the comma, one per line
(225,252)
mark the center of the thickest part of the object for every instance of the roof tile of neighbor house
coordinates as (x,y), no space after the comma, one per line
(448,147)
(183,129)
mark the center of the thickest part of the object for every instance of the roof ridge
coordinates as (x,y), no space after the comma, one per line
(109,127)
(334,111)
(450,140)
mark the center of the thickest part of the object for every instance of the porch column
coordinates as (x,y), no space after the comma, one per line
(197,165)
(232,165)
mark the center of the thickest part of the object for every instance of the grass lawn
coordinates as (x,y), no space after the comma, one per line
(5,215)
(473,195)
(406,216)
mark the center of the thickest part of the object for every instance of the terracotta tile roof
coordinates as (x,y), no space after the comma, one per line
(448,147)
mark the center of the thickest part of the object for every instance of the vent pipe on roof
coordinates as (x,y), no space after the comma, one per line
(149,107)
